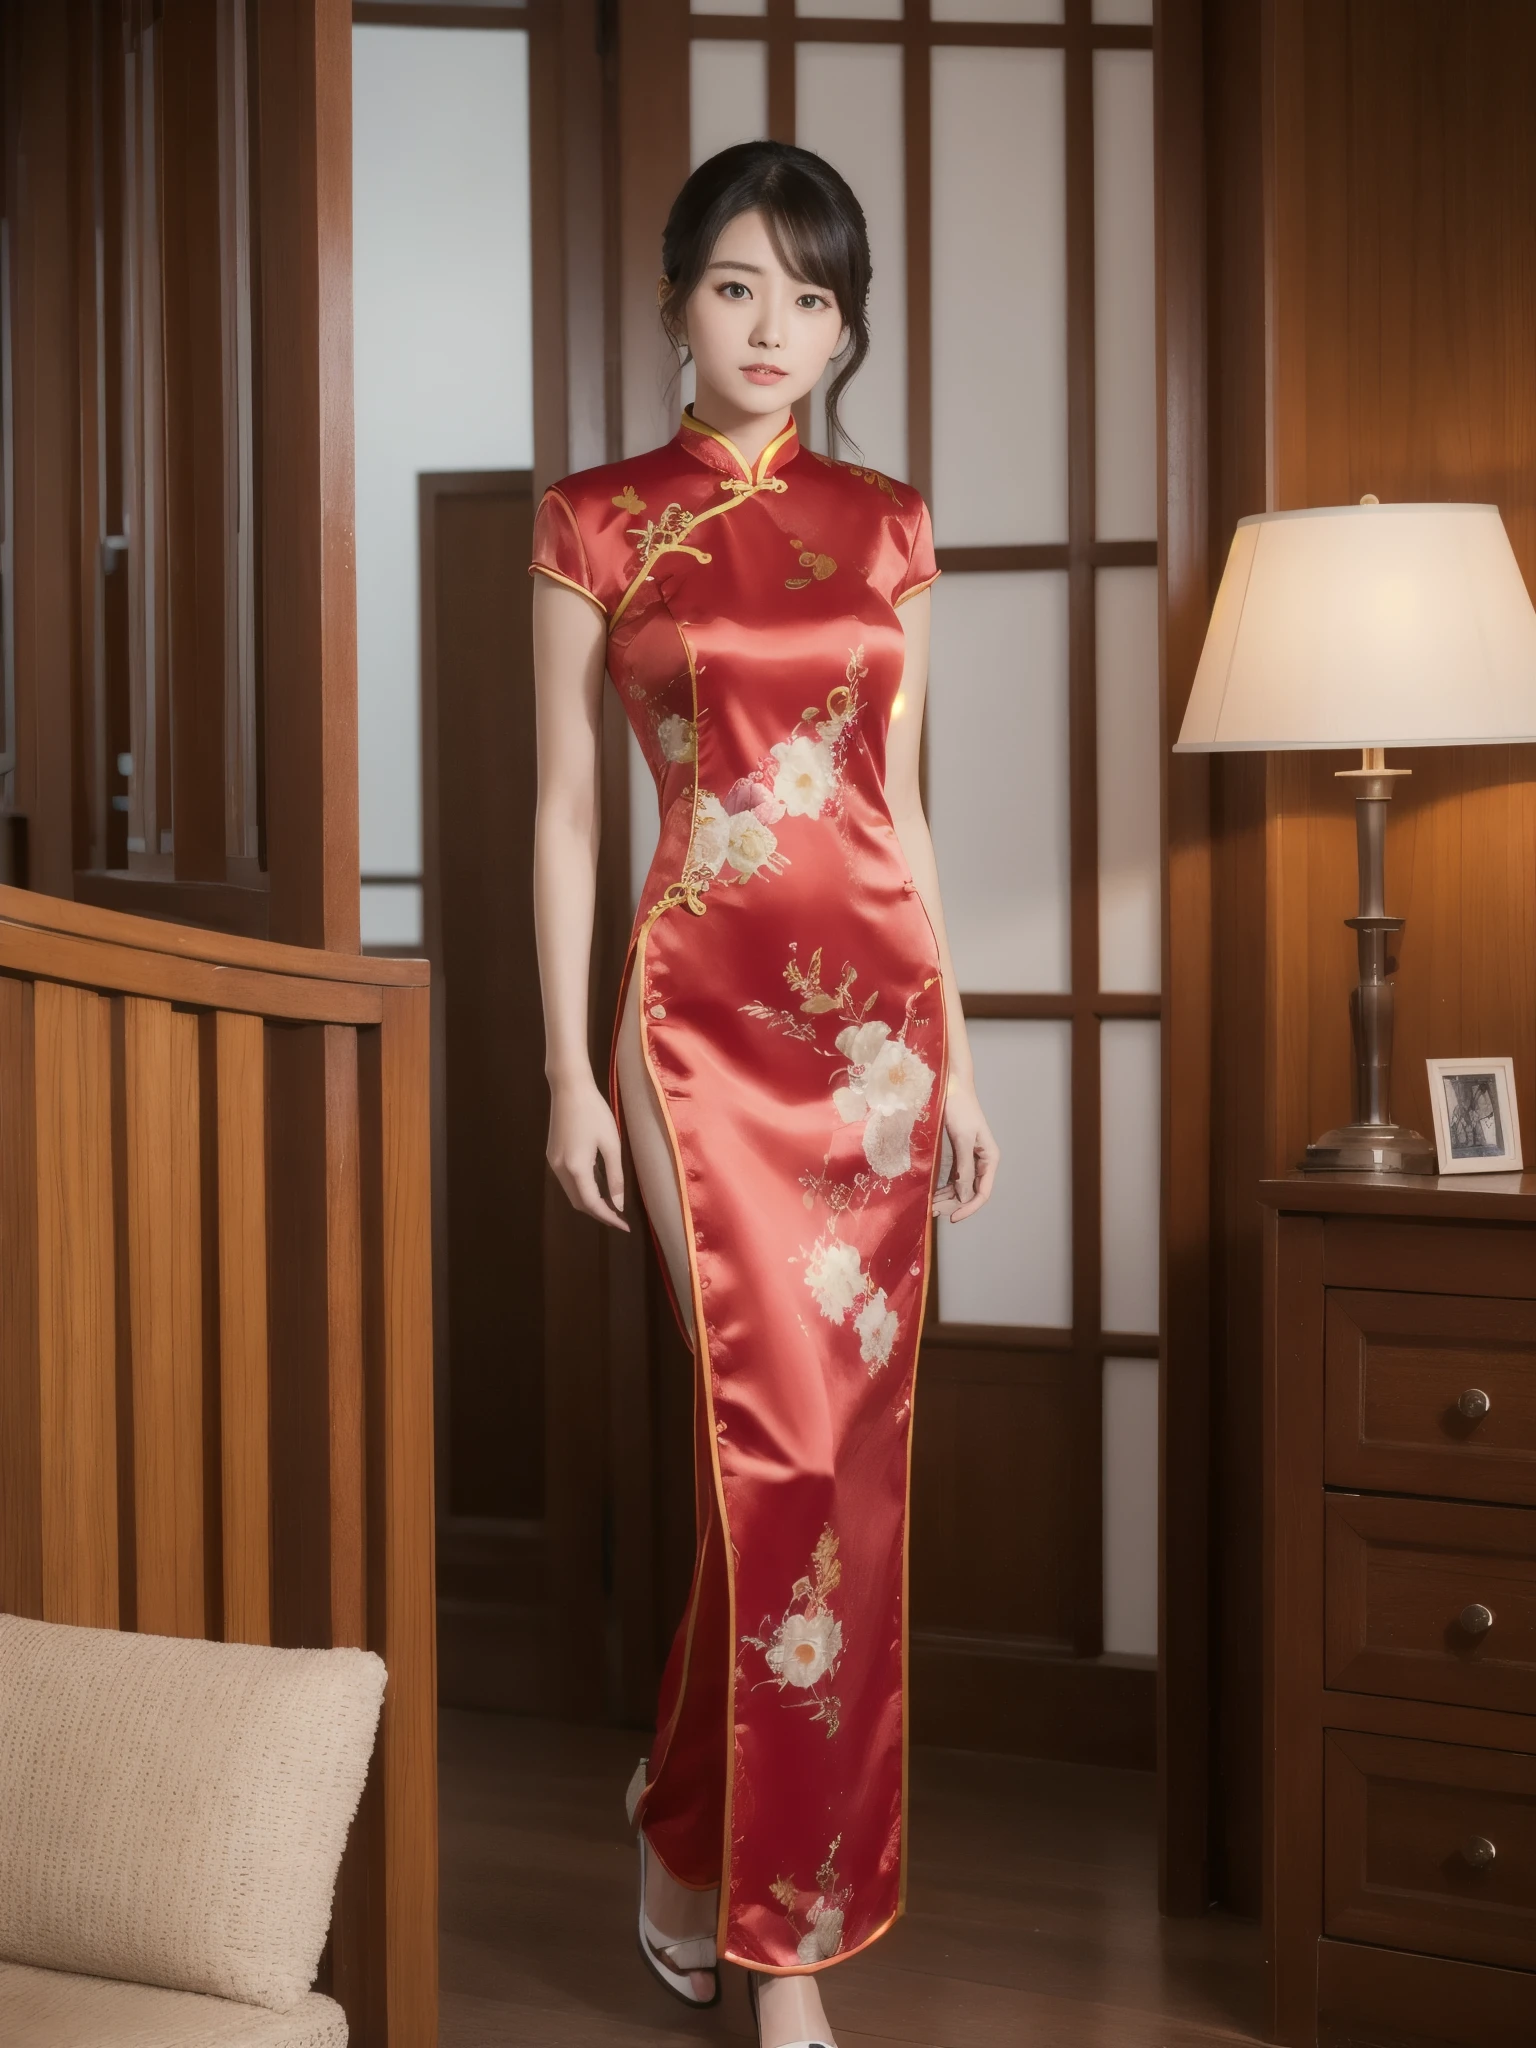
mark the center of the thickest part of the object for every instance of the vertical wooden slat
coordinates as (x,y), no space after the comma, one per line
(1184,1519)
(76,1308)
(401,1521)
(46,458)
(309,608)
(162,1238)
(21,1555)
(917,103)
(344,1348)
(298,1310)
(197,448)
(245,1459)
(1087,1222)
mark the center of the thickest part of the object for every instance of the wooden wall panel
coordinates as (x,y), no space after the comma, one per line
(1370,208)
(1415,173)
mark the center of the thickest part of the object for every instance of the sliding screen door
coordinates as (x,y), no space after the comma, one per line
(1003,153)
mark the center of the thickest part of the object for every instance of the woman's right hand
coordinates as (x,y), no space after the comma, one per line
(582,1130)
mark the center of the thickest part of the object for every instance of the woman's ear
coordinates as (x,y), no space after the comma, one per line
(676,332)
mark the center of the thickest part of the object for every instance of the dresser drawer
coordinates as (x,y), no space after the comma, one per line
(1431,1848)
(1404,1377)
(1408,1586)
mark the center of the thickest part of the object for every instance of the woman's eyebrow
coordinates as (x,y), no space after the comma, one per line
(725,263)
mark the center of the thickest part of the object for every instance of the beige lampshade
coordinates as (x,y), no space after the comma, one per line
(1367,626)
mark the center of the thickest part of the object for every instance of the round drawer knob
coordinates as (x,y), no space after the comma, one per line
(1474,1404)
(1479,1852)
(1476,1619)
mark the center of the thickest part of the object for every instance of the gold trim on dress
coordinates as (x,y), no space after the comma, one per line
(916,590)
(692,423)
(554,575)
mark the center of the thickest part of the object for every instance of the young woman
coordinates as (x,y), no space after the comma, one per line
(788,1054)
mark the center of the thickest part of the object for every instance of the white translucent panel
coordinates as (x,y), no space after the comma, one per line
(1130,756)
(1130,1108)
(997,777)
(997,10)
(443,358)
(1130,1506)
(1012,1261)
(730,6)
(1125,301)
(848,108)
(999,296)
(391,913)
(1135,13)
(727,96)
(644,820)
(849,10)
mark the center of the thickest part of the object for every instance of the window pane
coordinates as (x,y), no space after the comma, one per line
(848,109)
(727,96)
(850,10)
(391,914)
(1125,338)
(730,6)
(1130,1506)
(1012,1261)
(443,375)
(1137,13)
(1130,867)
(998,777)
(1131,1112)
(999,297)
(997,10)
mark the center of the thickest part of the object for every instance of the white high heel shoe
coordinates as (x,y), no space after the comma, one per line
(672,1961)
(757,2018)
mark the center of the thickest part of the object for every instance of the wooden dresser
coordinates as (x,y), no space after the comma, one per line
(1400,1623)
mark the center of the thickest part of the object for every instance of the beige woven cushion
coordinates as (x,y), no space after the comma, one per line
(47,2009)
(172,1812)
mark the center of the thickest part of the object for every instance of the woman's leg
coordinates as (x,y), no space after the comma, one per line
(684,1814)
(684,1834)
(655,1170)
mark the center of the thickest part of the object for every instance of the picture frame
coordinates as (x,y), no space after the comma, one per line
(1477,1121)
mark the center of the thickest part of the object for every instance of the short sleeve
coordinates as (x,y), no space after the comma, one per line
(922,567)
(559,551)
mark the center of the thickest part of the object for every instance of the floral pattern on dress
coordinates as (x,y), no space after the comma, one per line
(800,777)
(818,1925)
(840,1287)
(803,1647)
(886,1086)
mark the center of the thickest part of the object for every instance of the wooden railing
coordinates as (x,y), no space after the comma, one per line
(215,1339)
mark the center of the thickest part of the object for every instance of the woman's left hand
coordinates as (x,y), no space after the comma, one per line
(976,1155)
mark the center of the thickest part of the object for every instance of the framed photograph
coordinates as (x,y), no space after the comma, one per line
(1477,1129)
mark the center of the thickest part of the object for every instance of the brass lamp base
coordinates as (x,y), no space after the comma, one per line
(1373,1143)
(1371,1148)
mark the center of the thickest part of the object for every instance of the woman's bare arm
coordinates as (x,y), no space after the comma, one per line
(975,1149)
(569,649)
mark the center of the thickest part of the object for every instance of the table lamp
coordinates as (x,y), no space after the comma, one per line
(1368,626)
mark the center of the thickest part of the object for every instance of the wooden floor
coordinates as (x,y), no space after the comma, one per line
(1031,1918)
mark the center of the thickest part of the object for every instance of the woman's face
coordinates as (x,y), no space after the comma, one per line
(760,338)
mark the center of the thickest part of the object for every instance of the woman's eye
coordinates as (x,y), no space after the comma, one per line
(734,291)
(810,300)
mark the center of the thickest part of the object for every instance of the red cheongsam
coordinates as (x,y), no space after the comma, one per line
(792,1019)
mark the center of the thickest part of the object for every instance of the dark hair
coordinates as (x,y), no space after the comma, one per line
(816,225)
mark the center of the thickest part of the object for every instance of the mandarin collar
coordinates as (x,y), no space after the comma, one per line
(718,451)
